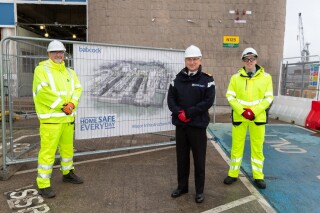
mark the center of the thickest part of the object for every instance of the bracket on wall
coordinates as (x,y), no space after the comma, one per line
(239,15)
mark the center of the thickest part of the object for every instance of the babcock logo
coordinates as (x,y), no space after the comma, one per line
(89,50)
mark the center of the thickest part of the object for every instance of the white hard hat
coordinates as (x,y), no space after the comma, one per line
(56,45)
(249,51)
(192,51)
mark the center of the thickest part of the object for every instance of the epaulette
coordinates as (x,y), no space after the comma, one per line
(207,74)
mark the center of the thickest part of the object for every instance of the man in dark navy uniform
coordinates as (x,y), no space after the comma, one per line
(190,96)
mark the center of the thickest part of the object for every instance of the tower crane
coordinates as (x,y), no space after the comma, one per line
(304,47)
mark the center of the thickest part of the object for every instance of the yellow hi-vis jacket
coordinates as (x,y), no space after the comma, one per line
(255,93)
(53,86)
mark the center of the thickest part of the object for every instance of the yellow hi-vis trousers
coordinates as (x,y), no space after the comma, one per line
(257,133)
(53,137)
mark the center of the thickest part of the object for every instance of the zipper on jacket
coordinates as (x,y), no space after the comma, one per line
(246,84)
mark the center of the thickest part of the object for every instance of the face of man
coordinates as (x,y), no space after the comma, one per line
(249,62)
(193,63)
(56,56)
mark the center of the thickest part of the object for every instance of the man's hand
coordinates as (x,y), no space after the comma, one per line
(248,114)
(182,116)
(68,108)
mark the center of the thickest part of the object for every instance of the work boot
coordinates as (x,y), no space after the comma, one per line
(72,178)
(260,183)
(229,180)
(47,192)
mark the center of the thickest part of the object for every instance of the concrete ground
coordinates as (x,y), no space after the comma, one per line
(132,181)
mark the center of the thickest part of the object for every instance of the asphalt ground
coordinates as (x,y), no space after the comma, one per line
(137,180)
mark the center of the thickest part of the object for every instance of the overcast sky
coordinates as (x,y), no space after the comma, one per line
(311,26)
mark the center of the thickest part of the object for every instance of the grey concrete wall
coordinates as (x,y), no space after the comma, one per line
(163,23)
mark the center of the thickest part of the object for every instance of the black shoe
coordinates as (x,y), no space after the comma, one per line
(260,183)
(178,192)
(72,178)
(199,198)
(47,192)
(229,180)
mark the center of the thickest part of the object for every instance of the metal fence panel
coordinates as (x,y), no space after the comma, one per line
(125,81)
(300,79)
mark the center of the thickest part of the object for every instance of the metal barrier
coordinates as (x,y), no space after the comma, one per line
(298,86)
(130,82)
(300,79)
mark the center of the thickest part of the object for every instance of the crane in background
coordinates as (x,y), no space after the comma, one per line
(304,47)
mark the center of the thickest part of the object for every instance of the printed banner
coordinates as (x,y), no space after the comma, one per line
(124,89)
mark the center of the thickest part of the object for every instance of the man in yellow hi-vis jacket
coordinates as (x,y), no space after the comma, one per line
(56,94)
(250,94)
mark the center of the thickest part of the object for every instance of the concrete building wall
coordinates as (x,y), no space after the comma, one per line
(164,24)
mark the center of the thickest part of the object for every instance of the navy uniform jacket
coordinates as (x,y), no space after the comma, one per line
(193,94)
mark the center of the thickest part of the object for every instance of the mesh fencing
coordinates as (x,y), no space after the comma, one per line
(123,105)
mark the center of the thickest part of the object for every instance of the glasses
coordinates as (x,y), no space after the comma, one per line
(192,59)
(248,59)
(57,52)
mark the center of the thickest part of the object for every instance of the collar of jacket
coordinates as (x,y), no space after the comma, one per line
(52,65)
(182,75)
(259,71)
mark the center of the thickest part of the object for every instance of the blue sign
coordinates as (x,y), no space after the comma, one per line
(7,14)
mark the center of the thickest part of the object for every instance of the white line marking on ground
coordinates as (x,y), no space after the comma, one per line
(25,136)
(301,127)
(18,139)
(267,207)
(100,159)
(232,204)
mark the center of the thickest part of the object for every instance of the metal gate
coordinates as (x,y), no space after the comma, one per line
(20,56)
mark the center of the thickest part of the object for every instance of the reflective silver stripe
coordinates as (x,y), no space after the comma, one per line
(268,94)
(58,115)
(78,86)
(39,87)
(66,159)
(75,97)
(231,93)
(45,167)
(72,80)
(246,103)
(256,168)
(230,98)
(53,86)
(257,161)
(211,84)
(55,103)
(65,168)
(62,93)
(269,100)
(234,167)
(44,175)
(236,160)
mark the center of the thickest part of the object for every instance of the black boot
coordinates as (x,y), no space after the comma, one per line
(229,180)
(260,183)
(72,178)
(47,192)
